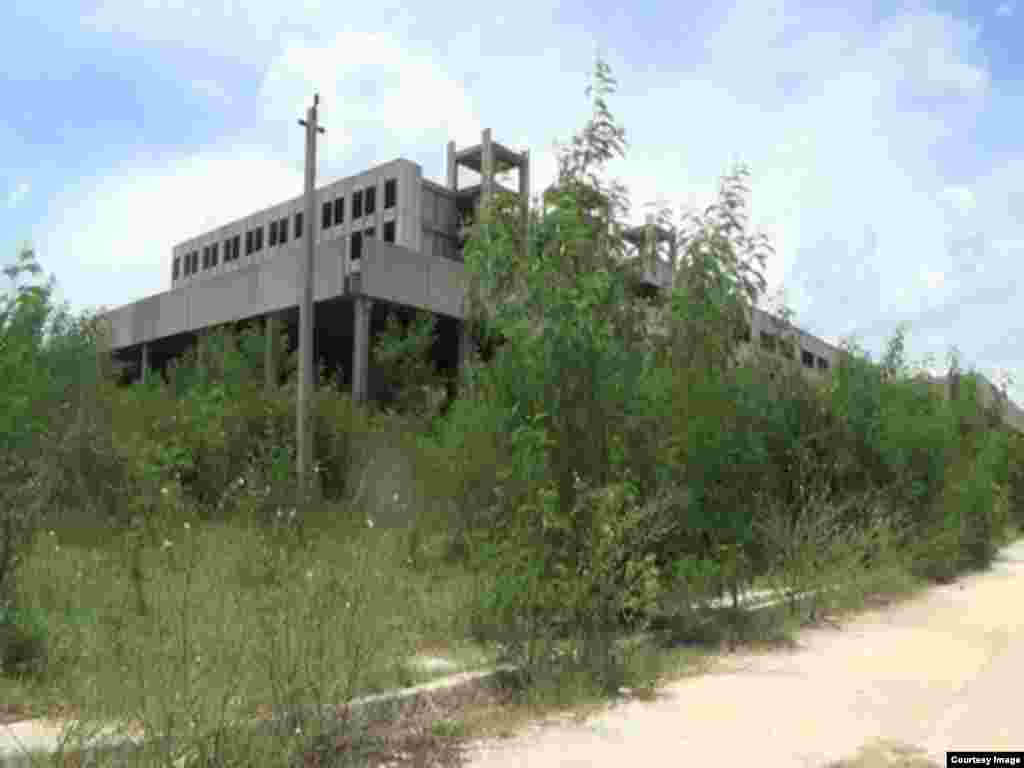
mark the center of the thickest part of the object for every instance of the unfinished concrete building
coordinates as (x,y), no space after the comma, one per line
(385,240)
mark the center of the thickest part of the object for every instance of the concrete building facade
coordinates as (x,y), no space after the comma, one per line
(386,239)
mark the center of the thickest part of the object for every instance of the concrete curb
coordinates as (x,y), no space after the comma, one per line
(34,742)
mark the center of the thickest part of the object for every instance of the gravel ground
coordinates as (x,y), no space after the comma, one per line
(897,686)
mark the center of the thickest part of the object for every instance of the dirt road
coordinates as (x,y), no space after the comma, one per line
(896,686)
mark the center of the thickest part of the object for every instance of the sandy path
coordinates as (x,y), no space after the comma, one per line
(944,671)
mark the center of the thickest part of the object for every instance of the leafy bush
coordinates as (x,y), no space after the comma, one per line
(23,642)
(558,597)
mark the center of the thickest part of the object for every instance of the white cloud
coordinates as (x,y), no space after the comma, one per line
(1005,9)
(960,198)
(17,194)
(932,49)
(933,279)
(134,215)
(370,85)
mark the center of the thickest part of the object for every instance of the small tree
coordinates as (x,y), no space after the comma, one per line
(54,370)
(569,374)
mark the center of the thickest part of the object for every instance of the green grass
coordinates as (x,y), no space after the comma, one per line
(235,621)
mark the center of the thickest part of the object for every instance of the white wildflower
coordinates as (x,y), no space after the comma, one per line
(187,526)
(369,521)
(166,544)
(395,498)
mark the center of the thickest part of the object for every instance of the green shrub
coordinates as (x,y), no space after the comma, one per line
(1015,478)
(23,642)
(559,599)
(465,461)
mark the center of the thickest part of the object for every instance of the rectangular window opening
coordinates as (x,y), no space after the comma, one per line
(356,251)
(389,231)
(282,231)
(325,216)
(272,235)
(822,364)
(339,210)
(298,225)
(176,268)
(806,358)
(213,254)
(258,239)
(390,193)
(371,200)
(357,204)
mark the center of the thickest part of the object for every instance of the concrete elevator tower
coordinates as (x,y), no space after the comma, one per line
(488,159)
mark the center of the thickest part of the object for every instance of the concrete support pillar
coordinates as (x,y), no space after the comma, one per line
(229,344)
(650,241)
(145,363)
(201,349)
(453,174)
(524,190)
(270,330)
(465,352)
(362,308)
(465,343)
(486,167)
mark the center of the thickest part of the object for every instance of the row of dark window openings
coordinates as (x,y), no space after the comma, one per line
(785,347)
(277,235)
(364,202)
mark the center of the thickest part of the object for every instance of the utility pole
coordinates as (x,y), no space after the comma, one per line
(307,385)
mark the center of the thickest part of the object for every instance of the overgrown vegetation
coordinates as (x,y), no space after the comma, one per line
(616,464)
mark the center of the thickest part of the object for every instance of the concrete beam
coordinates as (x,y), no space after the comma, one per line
(362,308)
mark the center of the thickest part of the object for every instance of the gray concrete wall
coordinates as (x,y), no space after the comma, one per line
(412,279)
(250,291)
(406,215)
(386,271)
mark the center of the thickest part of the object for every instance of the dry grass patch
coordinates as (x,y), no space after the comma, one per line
(887,754)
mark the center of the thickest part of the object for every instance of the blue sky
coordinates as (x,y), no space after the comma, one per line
(883,139)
